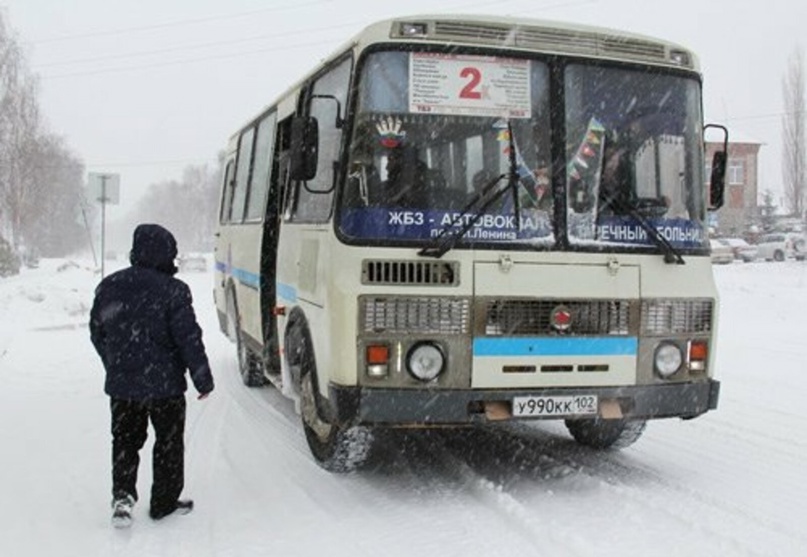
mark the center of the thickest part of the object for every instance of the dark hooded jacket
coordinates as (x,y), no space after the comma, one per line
(143,326)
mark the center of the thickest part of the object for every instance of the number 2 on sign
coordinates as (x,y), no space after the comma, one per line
(470,90)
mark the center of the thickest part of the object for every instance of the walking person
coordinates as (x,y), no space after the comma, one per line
(143,326)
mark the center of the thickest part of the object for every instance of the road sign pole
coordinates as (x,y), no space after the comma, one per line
(103,221)
(106,190)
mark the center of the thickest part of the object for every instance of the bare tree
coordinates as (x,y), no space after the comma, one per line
(53,225)
(793,135)
(40,179)
(197,194)
(19,130)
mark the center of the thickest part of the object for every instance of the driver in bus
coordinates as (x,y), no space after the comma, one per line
(408,179)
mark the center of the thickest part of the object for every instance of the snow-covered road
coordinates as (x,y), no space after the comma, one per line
(730,483)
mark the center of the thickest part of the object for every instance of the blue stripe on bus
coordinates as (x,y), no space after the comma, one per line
(247,278)
(286,291)
(578,346)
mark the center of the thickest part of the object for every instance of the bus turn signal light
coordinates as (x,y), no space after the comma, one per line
(698,354)
(377,360)
(377,354)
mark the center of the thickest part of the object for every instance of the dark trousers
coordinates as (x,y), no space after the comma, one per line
(129,431)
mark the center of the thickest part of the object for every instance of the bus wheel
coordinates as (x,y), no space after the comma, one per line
(606,434)
(336,448)
(249,366)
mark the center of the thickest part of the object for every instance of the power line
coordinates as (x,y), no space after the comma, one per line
(190,47)
(151,163)
(184,61)
(180,23)
(239,41)
(240,15)
(762,116)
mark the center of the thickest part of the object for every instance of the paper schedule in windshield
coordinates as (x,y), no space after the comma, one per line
(469,85)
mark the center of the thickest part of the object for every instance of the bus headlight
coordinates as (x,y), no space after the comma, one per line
(668,359)
(425,361)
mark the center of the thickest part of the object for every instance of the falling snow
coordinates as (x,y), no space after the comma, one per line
(729,483)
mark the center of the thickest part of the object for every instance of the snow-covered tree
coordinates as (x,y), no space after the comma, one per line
(794,166)
(19,124)
(197,194)
(40,179)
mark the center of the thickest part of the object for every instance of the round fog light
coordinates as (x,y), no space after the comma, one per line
(668,359)
(425,361)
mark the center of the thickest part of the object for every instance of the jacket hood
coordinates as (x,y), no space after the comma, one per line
(154,247)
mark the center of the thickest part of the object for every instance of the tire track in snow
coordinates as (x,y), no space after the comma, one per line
(430,462)
(634,485)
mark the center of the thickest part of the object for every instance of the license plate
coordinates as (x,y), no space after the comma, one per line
(554,406)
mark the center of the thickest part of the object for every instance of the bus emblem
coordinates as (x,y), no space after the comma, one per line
(561,318)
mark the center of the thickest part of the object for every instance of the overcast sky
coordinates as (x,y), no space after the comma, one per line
(146,87)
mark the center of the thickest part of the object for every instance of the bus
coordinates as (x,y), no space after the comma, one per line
(460,221)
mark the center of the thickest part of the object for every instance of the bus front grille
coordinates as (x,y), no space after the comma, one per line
(674,316)
(406,272)
(534,317)
(415,314)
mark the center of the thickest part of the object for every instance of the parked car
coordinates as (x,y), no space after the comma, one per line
(779,246)
(192,262)
(742,249)
(721,253)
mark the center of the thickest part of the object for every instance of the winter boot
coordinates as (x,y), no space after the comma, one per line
(183,506)
(122,511)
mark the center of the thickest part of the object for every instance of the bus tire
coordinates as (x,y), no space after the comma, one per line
(249,365)
(606,434)
(336,448)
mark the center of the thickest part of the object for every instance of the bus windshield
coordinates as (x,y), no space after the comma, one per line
(438,136)
(633,153)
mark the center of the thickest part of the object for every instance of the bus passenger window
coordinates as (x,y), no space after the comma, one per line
(227,193)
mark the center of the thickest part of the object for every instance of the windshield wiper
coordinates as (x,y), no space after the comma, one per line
(671,255)
(513,183)
(448,236)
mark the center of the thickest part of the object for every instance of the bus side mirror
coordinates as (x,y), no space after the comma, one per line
(718,181)
(304,148)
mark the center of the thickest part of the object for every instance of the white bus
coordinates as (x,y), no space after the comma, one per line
(456,221)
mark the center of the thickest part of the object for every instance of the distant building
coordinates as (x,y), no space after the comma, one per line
(740,208)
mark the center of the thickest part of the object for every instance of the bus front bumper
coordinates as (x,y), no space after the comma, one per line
(412,407)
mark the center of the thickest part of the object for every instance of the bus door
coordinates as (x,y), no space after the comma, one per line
(309,201)
(269,242)
(241,242)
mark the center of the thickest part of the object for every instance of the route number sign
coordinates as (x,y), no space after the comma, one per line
(469,85)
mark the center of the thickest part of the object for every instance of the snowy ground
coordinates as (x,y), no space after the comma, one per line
(731,483)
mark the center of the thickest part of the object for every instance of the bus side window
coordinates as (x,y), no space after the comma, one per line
(242,173)
(227,192)
(262,168)
(280,175)
(326,99)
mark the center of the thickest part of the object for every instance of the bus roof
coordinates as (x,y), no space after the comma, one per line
(531,35)
(521,34)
